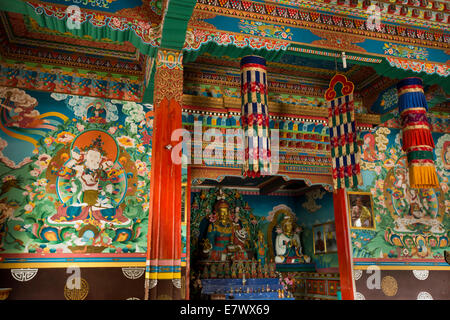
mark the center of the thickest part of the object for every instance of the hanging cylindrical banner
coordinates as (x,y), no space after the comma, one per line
(345,153)
(255,116)
(416,134)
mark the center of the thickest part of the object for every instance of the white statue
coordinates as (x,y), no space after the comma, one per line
(287,244)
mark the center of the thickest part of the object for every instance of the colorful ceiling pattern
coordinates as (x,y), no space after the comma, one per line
(118,40)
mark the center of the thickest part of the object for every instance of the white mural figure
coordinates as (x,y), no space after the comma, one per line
(91,185)
(413,207)
(402,186)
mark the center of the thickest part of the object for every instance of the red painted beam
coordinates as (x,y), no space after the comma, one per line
(188,232)
(164,233)
(344,244)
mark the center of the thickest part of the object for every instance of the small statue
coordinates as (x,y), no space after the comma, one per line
(220,270)
(260,275)
(205,274)
(272,269)
(247,268)
(233,270)
(254,272)
(226,270)
(266,270)
(261,247)
(240,267)
(213,271)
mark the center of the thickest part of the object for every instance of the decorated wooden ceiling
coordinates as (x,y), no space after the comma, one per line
(116,41)
(262,185)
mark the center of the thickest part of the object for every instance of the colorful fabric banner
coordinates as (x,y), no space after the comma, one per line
(345,154)
(255,116)
(416,134)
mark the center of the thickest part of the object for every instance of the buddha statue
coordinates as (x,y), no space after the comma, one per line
(225,239)
(287,244)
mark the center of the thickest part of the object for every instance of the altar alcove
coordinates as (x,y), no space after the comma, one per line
(252,238)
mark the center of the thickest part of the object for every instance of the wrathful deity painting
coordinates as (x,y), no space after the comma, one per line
(409,223)
(74,173)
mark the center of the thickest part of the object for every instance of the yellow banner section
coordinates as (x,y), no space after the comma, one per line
(162,275)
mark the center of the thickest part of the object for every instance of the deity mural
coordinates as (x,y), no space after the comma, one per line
(413,210)
(92,183)
(96,112)
(82,187)
(410,223)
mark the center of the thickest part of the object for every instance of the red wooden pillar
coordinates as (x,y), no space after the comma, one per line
(344,244)
(188,232)
(163,263)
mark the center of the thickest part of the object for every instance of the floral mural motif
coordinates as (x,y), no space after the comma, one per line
(195,38)
(258,28)
(410,52)
(84,188)
(338,41)
(419,66)
(410,223)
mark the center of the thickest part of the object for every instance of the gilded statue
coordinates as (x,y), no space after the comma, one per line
(225,239)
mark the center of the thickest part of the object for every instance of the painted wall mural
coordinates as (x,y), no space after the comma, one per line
(315,208)
(74,173)
(16,74)
(410,223)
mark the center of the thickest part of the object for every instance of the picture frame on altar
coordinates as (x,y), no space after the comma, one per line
(329,230)
(319,239)
(360,210)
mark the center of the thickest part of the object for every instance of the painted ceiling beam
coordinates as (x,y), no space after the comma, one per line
(272,185)
(176,15)
(12,6)
(175,21)
(97,25)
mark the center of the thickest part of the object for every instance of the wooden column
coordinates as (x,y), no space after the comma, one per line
(163,264)
(344,244)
